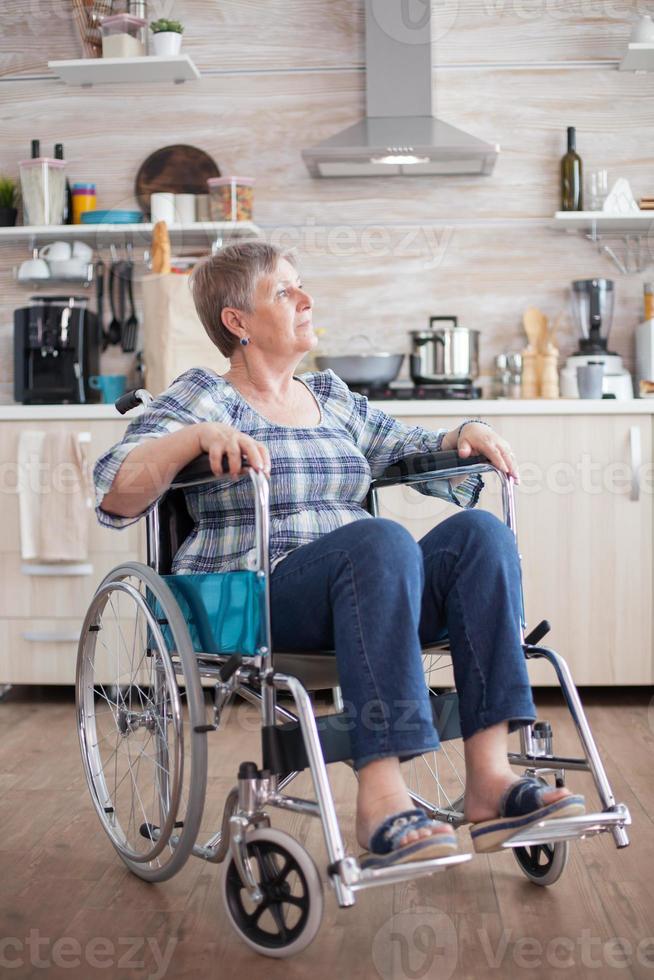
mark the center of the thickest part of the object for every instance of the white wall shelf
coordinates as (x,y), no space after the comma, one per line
(639,57)
(198,233)
(631,231)
(609,224)
(136,71)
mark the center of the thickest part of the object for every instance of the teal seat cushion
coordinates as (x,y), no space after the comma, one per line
(224,611)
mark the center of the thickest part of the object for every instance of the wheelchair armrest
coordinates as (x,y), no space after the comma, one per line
(430,464)
(199,471)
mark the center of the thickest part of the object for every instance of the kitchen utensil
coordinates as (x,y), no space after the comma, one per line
(114,330)
(444,353)
(100,272)
(130,328)
(160,248)
(374,368)
(592,306)
(178,169)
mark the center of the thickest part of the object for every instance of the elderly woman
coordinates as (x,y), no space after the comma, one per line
(341,579)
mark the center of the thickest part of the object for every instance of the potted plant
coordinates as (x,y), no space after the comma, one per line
(8,197)
(166,37)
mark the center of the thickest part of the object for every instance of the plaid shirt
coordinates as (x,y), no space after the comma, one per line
(320,475)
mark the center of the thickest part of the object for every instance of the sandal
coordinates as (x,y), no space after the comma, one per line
(521,806)
(385,851)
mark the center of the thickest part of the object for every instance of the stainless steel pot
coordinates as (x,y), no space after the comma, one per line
(444,353)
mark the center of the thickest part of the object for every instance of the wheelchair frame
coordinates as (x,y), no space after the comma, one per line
(256,680)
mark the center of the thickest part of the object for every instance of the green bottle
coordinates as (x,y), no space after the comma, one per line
(572,198)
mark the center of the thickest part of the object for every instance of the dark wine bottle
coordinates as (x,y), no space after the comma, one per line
(572,197)
(68,206)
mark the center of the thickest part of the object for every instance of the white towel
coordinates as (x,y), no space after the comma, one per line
(55,497)
(30,445)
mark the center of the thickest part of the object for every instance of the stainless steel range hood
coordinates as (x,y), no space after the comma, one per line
(399,135)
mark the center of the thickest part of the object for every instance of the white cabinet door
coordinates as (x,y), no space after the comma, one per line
(584,533)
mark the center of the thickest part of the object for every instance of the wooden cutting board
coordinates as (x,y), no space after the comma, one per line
(177,169)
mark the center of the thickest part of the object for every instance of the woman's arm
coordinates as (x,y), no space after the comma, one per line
(472,438)
(152,465)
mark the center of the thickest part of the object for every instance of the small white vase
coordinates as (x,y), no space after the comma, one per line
(166,43)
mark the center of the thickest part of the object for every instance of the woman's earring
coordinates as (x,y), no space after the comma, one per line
(245,341)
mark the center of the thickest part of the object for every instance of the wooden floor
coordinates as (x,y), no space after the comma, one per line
(68,909)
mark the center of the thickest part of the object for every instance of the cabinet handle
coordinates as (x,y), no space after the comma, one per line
(57,569)
(636,460)
(51,636)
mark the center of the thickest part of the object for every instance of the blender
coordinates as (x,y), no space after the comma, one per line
(592,306)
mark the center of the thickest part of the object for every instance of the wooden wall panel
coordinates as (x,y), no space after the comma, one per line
(233,35)
(379,254)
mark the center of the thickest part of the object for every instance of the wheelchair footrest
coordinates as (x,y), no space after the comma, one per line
(367,877)
(570,828)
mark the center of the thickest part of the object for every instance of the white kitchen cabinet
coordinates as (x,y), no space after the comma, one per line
(584,532)
(41,614)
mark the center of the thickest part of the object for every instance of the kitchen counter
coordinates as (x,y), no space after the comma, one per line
(457,409)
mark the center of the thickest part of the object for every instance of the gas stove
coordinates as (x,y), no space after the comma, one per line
(406,392)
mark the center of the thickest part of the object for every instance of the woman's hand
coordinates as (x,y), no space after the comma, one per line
(477,439)
(218,440)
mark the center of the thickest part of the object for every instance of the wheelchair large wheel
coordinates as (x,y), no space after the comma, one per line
(144,757)
(436,779)
(289,916)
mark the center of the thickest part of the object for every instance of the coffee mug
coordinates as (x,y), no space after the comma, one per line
(57,251)
(33,269)
(589,379)
(82,252)
(111,386)
(69,269)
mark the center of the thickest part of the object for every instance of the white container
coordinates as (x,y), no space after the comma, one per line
(185,208)
(643,31)
(162,208)
(43,187)
(165,43)
(123,36)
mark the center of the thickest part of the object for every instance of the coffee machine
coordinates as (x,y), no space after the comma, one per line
(57,344)
(592,307)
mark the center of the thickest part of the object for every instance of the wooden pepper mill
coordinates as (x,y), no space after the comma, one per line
(529,372)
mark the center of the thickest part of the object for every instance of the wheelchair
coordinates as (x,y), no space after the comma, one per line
(148,640)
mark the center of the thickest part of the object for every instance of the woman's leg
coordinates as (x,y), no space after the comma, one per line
(358,590)
(472,586)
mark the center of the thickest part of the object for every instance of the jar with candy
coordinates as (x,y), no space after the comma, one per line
(231,198)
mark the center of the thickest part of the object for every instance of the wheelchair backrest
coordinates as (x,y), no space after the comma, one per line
(175,525)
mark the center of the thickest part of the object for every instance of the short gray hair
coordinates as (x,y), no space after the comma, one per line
(229,278)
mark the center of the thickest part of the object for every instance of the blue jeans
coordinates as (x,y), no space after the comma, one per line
(372,594)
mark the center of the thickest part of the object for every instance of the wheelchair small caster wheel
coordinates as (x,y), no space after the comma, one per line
(542,863)
(289,916)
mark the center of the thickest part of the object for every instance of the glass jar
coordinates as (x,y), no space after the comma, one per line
(123,36)
(84,199)
(43,188)
(231,198)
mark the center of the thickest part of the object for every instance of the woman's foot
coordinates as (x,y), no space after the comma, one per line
(483,794)
(382,793)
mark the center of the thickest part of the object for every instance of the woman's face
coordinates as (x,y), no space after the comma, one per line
(282,319)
